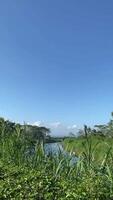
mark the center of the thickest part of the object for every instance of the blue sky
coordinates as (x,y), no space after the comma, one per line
(56,61)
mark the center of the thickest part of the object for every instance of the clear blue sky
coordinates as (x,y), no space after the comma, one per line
(56,60)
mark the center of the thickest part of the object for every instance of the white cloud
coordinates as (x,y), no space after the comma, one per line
(57,128)
(37,123)
(74,126)
(27,123)
(55,124)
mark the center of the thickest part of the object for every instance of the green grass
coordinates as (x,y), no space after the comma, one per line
(25,176)
(100,146)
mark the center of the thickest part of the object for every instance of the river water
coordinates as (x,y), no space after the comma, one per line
(56,149)
(53,148)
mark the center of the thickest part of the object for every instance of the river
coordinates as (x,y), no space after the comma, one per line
(56,148)
(53,148)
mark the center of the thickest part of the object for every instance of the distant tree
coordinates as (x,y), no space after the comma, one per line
(36,133)
(80,132)
(9,126)
(86,131)
(31,133)
(71,134)
(2,127)
(106,129)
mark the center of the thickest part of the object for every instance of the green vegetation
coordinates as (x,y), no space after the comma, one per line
(99,144)
(33,175)
(99,139)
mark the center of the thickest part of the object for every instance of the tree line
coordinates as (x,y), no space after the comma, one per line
(30,132)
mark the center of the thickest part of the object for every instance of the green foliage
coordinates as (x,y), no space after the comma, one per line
(25,175)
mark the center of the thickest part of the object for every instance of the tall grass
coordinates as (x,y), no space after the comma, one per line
(26,174)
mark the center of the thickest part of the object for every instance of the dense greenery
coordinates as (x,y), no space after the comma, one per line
(32,175)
